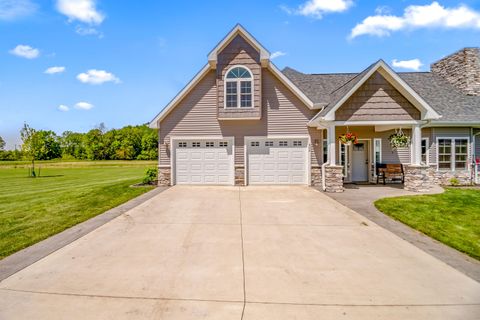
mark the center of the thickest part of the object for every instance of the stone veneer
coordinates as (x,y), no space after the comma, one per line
(334,178)
(239,176)
(417,178)
(316,176)
(461,69)
(444,177)
(164,177)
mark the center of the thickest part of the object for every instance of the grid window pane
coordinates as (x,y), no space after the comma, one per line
(445,154)
(461,154)
(246,100)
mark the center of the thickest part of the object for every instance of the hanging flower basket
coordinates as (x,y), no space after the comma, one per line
(348,138)
(399,140)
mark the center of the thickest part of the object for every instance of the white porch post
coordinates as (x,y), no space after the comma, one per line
(416,144)
(331,145)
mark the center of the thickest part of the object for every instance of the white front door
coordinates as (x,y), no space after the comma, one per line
(204,161)
(360,161)
(277,160)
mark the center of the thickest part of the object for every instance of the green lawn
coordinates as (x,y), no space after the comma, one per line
(452,217)
(66,193)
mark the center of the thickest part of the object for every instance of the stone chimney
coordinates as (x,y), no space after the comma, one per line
(461,69)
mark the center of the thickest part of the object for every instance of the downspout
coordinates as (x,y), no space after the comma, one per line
(324,183)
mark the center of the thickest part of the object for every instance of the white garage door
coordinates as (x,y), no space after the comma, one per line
(203,161)
(277,161)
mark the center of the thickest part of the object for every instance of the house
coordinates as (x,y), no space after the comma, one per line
(242,121)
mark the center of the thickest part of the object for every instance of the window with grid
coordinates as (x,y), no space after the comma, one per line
(210,144)
(238,88)
(283,143)
(255,144)
(268,143)
(461,154)
(195,144)
(297,143)
(445,154)
(182,144)
(424,150)
(223,144)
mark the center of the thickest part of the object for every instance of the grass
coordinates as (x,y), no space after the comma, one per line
(66,193)
(452,217)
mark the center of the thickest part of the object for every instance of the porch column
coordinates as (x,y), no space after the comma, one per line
(331,145)
(416,145)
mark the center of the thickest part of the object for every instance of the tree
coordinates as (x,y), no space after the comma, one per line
(31,144)
(72,144)
(49,145)
(2,144)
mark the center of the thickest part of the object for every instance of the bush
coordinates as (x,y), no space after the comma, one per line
(150,176)
(454,182)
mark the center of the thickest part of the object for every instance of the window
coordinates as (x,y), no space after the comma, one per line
(297,143)
(343,157)
(452,154)
(238,88)
(255,143)
(377,153)
(425,151)
(268,143)
(195,144)
(210,144)
(325,150)
(182,144)
(223,144)
(283,143)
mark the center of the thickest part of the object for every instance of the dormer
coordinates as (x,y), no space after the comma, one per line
(238,60)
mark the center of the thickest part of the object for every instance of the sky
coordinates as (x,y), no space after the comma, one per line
(73,64)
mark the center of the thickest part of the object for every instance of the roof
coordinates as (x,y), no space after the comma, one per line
(451,103)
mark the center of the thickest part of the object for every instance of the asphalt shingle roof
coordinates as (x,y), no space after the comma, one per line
(448,101)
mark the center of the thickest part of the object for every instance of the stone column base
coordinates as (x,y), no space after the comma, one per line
(334,178)
(316,176)
(164,177)
(239,176)
(417,178)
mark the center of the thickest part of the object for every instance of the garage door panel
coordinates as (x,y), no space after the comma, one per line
(205,161)
(277,161)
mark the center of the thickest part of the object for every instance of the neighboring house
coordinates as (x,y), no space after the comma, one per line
(242,121)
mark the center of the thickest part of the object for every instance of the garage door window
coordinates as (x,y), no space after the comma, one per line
(182,144)
(283,144)
(195,144)
(210,144)
(297,143)
(268,143)
(223,144)
(255,144)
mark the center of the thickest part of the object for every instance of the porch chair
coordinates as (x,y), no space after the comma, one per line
(390,171)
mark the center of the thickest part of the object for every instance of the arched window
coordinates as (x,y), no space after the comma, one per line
(238,88)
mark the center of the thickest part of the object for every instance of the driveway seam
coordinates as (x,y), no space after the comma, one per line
(243,255)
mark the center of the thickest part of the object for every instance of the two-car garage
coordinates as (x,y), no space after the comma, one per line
(277,160)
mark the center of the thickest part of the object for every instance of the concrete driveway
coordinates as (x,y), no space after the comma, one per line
(201,252)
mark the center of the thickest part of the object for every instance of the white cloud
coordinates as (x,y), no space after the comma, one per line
(94,76)
(83,105)
(25,51)
(414,64)
(81,10)
(63,108)
(277,54)
(53,70)
(317,8)
(88,31)
(14,9)
(418,16)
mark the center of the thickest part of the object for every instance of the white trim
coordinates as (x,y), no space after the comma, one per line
(237,30)
(374,162)
(231,139)
(248,139)
(452,146)
(397,82)
(155,123)
(369,160)
(239,90)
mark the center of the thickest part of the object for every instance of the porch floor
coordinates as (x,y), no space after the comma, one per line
(360,198)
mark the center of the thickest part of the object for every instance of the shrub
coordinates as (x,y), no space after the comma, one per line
(454,182)
(150,176)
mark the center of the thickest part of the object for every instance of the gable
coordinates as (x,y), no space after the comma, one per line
(377,99)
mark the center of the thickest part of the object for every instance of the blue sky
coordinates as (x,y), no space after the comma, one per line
(120,62)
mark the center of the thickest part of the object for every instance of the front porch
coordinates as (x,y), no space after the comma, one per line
(371,155)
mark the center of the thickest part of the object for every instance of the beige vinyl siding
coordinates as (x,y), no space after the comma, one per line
(401,155)
(283,114)
(477,143)
(446,132)
(377,99)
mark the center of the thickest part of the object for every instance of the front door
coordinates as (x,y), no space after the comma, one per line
(360,161)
